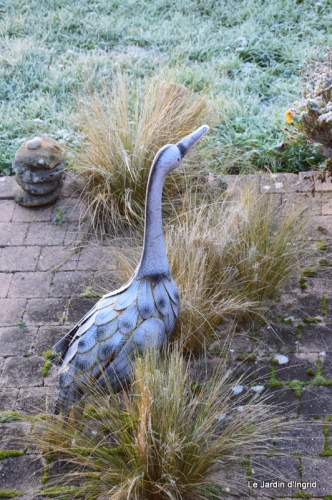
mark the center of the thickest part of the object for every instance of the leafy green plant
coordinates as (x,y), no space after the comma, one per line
(59,217)
(21,324)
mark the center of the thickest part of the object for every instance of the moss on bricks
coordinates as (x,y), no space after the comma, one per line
(296,386)
(309,321)
(324,305)
(325,262)
(309,272)
(327,450)
(303,283)
(273,382)
(319,379)
(321,246)
(10,454)
(310,372)
(299,329)
(48,357)
(301,494)
(246,357)
(9,494)
(321,229)
(9,416)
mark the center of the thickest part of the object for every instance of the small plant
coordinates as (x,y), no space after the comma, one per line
(21,324)
(324,305)
(160,440)
(59,218)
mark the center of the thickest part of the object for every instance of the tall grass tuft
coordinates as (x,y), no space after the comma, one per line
(228,258)
(164,439)
(123,131)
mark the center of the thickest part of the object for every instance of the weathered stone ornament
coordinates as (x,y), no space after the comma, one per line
(39,168)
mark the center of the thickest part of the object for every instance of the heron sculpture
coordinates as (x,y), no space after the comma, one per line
(141,314)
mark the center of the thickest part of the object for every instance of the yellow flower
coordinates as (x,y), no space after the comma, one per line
(289,115)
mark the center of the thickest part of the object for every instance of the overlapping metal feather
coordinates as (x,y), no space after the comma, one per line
(102,346)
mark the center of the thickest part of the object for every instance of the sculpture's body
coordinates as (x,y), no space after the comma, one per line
(142,313)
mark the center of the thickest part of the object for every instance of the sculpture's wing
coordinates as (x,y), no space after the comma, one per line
(87,321)
(103,345)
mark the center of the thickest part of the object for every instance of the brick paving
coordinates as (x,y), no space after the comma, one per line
(41,278)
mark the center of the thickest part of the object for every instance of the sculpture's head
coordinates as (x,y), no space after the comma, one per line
(170,156)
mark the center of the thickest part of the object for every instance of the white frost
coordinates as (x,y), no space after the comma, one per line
(237,389)
(257,388)
(281,359)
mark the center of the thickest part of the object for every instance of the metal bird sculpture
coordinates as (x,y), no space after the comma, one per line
(141,314)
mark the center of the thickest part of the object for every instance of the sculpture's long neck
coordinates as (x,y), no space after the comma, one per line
(154,258)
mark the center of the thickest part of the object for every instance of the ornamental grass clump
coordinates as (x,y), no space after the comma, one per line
(161,439)
(228,259)
(123,131)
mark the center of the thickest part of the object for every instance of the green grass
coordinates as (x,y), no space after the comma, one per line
(246,54)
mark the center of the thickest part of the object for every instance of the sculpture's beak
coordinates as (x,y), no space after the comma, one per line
(191,139)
